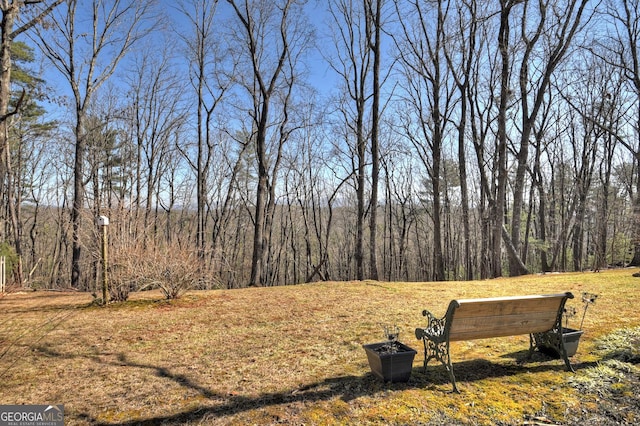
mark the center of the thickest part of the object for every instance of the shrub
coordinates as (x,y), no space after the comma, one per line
(172,269)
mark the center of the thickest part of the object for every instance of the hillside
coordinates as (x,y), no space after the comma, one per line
(293,355)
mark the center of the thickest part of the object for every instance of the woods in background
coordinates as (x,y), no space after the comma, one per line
(239,142)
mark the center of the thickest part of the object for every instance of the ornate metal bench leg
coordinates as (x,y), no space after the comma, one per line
(450,370)
(420,335)
(553,339)
(440,351)
(532,346)
(424,364)
(563,354)
(436,344)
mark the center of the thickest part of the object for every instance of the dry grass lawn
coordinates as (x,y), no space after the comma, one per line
(293,355)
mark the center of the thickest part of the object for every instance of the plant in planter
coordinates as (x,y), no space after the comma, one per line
(390,360)
(570,336)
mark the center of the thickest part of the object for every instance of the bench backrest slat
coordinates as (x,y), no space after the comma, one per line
(503,316)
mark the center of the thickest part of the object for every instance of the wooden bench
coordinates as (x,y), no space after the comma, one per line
(469,319)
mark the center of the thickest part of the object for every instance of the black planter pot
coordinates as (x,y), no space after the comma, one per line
(390,366)
(571,338)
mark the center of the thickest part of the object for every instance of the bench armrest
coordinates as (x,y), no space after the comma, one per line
(435,327)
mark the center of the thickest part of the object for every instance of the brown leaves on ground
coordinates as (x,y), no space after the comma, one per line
(293,355)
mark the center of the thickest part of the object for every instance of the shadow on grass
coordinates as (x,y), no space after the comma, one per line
(39,302)
(522,359)
(480,369)
(346,388)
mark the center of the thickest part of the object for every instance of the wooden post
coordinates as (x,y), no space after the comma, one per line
(103,221)
(3,274)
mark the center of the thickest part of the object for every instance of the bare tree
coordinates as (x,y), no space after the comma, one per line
(421,50)
(625,46)
(87,60)
(210,80)
(482,101)
(498,208)
(270,78)
(353,40)
(14,12)
(157,115)
(373,11)
(461,53)
(554,30)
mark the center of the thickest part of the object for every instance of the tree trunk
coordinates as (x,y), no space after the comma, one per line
(375,124)
(78,197)
(360,181)
(497,208)
(6,172)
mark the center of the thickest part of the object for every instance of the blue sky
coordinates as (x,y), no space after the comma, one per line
(321,76)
